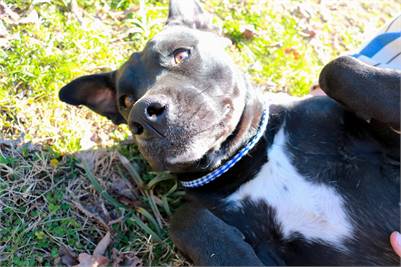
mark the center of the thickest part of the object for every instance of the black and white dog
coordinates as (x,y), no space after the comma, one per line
(312,182)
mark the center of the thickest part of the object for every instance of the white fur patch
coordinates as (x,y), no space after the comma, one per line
(314,210)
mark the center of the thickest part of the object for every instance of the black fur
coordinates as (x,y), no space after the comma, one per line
(332,146)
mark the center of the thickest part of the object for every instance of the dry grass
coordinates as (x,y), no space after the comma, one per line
(69,204)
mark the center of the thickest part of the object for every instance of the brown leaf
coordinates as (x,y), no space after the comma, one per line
(296,55)
(97,259)
(127,259)
(102,245)
(308,33)
(293,51)
(248,34)
(86,260)
(311,33)
(288,50)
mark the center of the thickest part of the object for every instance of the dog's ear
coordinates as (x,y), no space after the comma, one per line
(190,14)
(97,92)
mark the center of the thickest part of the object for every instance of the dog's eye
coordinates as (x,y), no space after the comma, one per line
(180,55)
(127,101)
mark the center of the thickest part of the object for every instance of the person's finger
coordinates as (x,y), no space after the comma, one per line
(395,240)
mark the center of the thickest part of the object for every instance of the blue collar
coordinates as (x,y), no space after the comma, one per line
(230,163)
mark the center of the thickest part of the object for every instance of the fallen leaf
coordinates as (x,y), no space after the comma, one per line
(311,33)
(296,54)
(86,260)
(308,33)
(293,51)
(126,259)
(288,50)
(97,259)
(102,245)
(248,32)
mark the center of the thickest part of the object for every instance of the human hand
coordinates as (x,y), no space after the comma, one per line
(395,240)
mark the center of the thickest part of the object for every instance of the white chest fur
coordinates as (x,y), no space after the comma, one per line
(314,210)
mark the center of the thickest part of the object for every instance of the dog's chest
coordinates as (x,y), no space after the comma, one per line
(291,204)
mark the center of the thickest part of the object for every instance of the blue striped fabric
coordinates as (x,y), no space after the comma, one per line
(379,42)
(384,50)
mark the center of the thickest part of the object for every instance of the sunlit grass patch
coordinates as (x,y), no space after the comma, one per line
(65,42)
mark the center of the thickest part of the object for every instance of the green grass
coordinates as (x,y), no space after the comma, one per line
(53,195)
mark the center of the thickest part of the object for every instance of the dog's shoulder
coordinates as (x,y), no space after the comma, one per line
(318,113)
(309,115)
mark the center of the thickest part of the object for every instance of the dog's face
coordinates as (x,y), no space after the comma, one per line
(181,96)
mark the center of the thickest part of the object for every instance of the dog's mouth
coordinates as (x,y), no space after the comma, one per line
(181,149)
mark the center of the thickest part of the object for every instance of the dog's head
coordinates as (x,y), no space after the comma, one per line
(181,96)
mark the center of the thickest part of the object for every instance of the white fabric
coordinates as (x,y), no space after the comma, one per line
(384,50)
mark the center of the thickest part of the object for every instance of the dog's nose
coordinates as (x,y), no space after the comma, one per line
(148,117)
(154,111)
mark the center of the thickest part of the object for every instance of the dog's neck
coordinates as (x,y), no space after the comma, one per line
(248,124)
(245,130)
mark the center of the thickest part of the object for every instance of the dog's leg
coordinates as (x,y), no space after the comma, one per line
(370,92)
(209,241)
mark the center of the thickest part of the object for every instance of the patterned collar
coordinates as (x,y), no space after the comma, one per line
(230,163)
